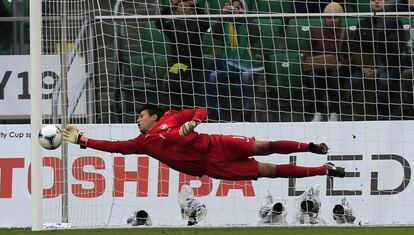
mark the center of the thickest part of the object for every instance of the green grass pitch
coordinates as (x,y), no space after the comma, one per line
(226,231)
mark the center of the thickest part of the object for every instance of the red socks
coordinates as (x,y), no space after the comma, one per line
(294,171)
(291,170)
(286,146)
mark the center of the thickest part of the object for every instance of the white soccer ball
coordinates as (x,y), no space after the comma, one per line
(50,137)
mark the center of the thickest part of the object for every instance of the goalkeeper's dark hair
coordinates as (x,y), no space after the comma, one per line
(153,110)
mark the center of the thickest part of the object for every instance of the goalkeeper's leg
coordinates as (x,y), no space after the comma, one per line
(287,146)
(293,171)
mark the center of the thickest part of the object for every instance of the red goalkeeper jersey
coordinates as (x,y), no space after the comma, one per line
(186,154)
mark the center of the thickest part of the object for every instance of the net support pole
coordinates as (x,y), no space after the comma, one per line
(64,104)
(36,112)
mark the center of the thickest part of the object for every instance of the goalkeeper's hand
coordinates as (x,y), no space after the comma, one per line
(321,148)
(71,134)
(187,127)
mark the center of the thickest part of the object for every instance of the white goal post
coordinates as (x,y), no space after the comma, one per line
(36,114)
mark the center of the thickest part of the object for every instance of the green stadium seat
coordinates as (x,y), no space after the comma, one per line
(9,6)
(351,23)
(4,49)
(298,32)
(215,6)
(6,38)
(26,7)
(361,5)
(167,3)
(407,63)
(151,62)
(407,23)
(164,3)
(406,57)
(274,6)
(284,74)
(211,49)
(137,71)
(153,40)
(271,33)
(155,48)
(405,20)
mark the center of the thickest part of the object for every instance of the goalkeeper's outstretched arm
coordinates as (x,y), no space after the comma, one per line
(72,134)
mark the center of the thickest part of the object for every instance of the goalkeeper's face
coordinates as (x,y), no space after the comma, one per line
(146,121)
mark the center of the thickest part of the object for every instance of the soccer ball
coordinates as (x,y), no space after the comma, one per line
(50,137)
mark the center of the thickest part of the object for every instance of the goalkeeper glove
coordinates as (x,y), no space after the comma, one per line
(187,127)
(72,134)
(321,148)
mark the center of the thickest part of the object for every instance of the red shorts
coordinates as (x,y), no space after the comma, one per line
(230,158)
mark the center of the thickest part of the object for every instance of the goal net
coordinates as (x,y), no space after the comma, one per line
(262,68)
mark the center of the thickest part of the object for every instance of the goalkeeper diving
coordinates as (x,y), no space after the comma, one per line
(170,138)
